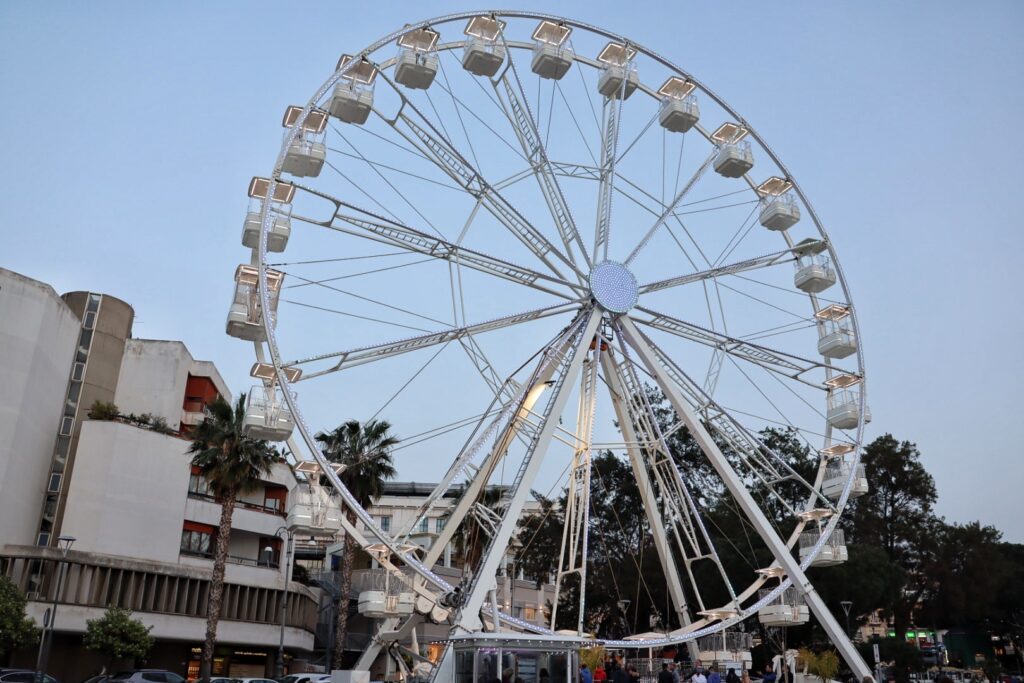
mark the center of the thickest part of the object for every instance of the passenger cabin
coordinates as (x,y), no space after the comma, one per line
(844,409)
(384,594)
(619,78)
(267,415)
(779,210)
(515,656)
(551,56)
(313,512)
(788,608)
(837,473)
(814,272)
(833,552)
(416,65)
(280,220)
(352,98)
(726,649)
(679,111)
(307,151)
(485,50)
(735,156)
(835,337)
(245,317)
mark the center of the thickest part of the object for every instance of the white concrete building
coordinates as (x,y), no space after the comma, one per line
(143,520)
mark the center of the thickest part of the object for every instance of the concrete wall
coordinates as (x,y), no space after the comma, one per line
(152,380)
(128,493)
(38,334)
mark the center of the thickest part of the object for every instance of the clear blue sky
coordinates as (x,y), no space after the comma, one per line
(131,129)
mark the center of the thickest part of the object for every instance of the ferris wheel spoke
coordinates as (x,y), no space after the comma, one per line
(366,224)
(784,363)
(569,365)
(656,474)
(368,354)
(515,106)
(428,140)
(611,115)
(784,256)
(670,210)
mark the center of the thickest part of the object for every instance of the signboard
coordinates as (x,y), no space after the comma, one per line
(878,658)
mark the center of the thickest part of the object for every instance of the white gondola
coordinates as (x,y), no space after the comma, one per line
(734,159)
(835,338)
(725,647)
(245,317)
(313,511)
(844,409)
(416,65)
(485,51)
(779,213)
(788,608)
(836,475)
(679,111)
(267,415)
(619,77)
(833,552)
(814,271)
(551,56)
(383,594)
(280,208)
(307,152)
(352,98)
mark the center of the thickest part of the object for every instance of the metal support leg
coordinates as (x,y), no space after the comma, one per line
(746,502)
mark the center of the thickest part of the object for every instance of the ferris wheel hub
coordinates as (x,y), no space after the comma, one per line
(613,287)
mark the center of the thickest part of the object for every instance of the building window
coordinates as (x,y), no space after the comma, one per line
(197,539)
(78,372)
(66,425)
(424,526)
(90,320)
(54,486)
(275,497)
(197,484)
(44,539)
(439,524)
(385,523)
(530,613)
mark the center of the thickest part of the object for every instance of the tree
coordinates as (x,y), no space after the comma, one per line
(16,630)
(896,516)
(365,451)
(233,464)
(823,665)
(117,635)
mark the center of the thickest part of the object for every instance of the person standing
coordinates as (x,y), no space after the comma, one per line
(714,676)
(585,675)
(665,676)
(619,674)
(600,675)
(698,677)
(672,669)
(731,677)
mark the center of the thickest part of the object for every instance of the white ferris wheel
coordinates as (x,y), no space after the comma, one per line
(495,228)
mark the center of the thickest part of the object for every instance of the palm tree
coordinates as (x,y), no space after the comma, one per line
(365,451)
(233,464)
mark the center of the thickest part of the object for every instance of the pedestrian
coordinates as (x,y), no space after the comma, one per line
(769,675)
(731,677)
(634,675)
(699,677)
(745,678)
(545,677)
(585,675)
(600,675)
(674,671)
(619,674)
(714,676)
(665,676)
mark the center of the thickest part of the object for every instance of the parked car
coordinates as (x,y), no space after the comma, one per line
(146,676)
(22,676)
(304,678)
(102,678)
(255,680)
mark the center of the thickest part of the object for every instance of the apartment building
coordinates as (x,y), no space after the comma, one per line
(143,521)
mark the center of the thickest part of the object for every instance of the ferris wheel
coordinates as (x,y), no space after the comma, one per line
(521,237)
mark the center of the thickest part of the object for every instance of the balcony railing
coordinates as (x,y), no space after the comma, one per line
(234,559)
(266,509)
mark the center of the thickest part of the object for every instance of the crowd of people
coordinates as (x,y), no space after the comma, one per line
(615,670)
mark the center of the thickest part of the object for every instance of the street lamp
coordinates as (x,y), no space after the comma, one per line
(50,619)
(288,542)
(847,604)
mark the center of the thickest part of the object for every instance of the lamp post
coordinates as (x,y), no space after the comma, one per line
(847,604)
(46,641)
(288,542)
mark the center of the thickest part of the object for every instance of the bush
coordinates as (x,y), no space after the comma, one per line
(159,424)
(117,635)
(101,410)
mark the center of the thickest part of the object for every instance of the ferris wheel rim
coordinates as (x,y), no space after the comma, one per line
(271,341)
